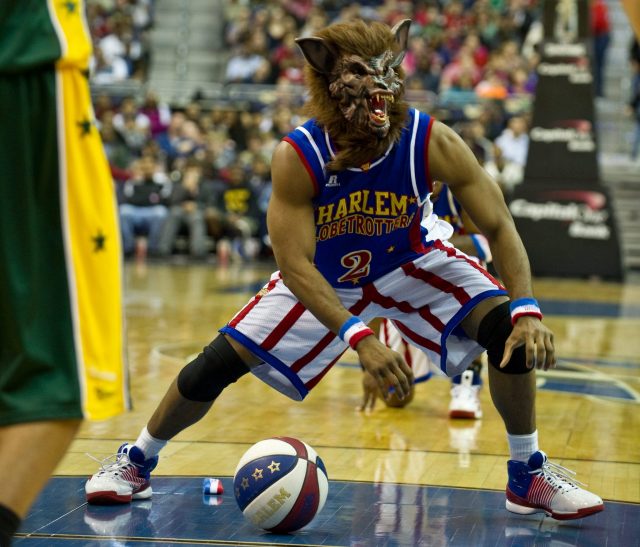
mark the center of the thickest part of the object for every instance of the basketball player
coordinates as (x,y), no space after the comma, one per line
(453,225)
(354,181)
(61,331)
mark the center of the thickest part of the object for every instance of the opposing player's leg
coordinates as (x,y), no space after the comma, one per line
(60,255)
(535,484)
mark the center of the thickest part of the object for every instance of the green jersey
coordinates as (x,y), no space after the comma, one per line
(36,33)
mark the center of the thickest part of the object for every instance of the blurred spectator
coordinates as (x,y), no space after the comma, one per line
(143,207)
(514,141)
(157,112)
(187,203)
(168,140)
(506,173)
(120,31)
(190,142)
(116,149)
(233,217)
(601,32)
(107,70)
(492,87)
(245,66)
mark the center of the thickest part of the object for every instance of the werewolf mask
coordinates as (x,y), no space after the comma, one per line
(356,87)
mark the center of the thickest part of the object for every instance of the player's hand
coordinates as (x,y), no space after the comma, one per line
(387,367)
(538,339)
(369,392)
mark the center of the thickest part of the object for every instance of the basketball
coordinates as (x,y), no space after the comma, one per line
(280,484)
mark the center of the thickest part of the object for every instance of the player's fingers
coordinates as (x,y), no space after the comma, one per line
(371,403)
(530,353)
(404,377)
(550,351)
(508,350)
(541,353)
(363,405)
(383,382)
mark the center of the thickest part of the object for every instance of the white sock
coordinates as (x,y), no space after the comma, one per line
(522,446)
(149,445)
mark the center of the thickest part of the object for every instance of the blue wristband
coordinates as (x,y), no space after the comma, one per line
(524,306)
(347,325)
(523,302)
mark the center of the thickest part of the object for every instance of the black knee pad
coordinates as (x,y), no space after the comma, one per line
(493,332)
(204,378)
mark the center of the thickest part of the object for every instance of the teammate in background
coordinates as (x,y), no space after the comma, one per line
(350,188)
(460,231)
(61,330)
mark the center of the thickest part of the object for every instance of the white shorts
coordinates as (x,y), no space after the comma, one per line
(425,299)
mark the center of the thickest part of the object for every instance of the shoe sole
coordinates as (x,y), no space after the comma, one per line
(529,510)
(464,415)
(112,498)
(108,498)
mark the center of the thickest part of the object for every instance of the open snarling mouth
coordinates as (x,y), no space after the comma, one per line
(378,111)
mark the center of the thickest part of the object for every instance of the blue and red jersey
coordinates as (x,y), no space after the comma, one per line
(368,218)
(447,208)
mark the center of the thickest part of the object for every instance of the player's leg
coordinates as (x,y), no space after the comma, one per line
(23,473)
(59,255)
(453,324)
(535,484)
(513,394)
(187,400)
(198,385)
(264,328)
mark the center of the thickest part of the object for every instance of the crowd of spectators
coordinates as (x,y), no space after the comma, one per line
(196,178)
(120,32)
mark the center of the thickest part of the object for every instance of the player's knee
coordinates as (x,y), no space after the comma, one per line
(204,378)
(493,332)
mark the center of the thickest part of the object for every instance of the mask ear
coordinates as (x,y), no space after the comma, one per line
(317,53)
(401,32)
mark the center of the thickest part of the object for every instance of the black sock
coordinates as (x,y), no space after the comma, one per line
(9,523)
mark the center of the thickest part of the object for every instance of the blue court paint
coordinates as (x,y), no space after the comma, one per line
(585,386)
(355,515)
(588,309)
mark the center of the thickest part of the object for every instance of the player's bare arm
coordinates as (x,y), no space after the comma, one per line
(452,161)
(290,219)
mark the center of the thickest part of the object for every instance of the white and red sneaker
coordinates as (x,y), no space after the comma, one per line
(540,486)
(122,478)
(465,398)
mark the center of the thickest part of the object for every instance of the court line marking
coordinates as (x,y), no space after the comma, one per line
(336,447)
(168,541)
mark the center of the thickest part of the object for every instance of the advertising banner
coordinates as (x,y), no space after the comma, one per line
(562,139)
(568,231)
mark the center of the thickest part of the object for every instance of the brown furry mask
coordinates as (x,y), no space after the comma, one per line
(356,87)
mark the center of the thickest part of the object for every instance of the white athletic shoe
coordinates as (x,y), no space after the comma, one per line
(122,477)
(540,486)
(465,398)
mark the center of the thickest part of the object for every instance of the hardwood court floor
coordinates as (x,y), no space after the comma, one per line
(588,415)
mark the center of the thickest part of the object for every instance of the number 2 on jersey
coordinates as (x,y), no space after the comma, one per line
(358,263)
